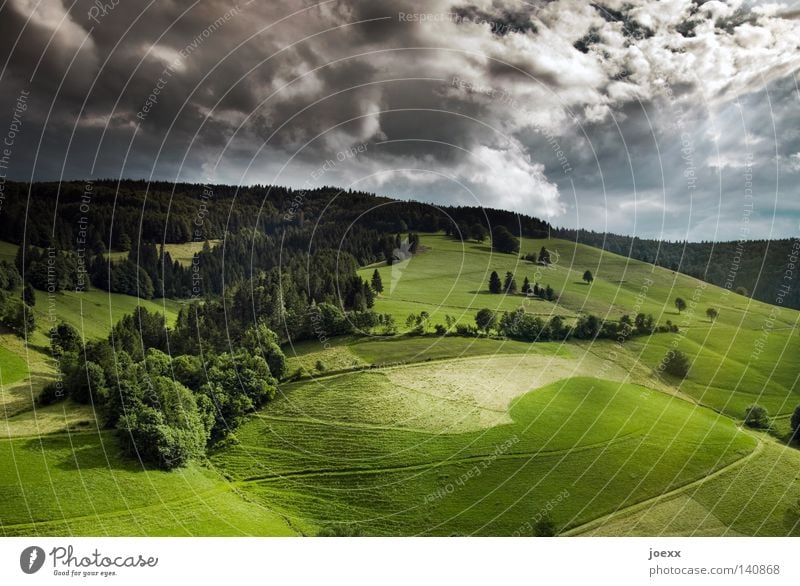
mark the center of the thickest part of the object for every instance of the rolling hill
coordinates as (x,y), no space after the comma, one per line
(442,435)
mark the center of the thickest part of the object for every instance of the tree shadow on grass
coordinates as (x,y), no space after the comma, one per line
(85,451)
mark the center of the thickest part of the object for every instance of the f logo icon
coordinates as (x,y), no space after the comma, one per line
(31,559)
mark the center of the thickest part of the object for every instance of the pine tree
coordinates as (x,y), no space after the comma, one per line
(28,296)
(377,283)
(526,286)
(495,286)
(510,285)
(544,256)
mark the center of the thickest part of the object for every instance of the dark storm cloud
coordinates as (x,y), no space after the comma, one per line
(492,101)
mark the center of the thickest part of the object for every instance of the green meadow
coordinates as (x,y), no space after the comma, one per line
(447,435)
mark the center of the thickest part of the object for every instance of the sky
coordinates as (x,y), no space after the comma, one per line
(676,119)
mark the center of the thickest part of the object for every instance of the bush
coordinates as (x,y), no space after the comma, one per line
(676,363)
(485,319)
(756,416)
(51,393)
(795,422)
(466,331)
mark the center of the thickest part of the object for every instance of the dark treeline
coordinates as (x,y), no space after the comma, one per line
(309,241)
(763,269)
(265,227)
(118,215)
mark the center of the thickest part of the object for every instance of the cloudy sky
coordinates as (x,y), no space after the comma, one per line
(672,119)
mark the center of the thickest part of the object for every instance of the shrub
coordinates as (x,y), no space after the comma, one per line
(676,363)
(795,423)
(51,393)
(756,416)
(485,319)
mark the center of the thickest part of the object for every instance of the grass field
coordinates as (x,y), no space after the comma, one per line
(92,312)
(79,484)
(436,435)
(183,252)
(390,475)
(8,251)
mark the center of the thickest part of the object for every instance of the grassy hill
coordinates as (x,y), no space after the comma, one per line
(748,354)
(447,435)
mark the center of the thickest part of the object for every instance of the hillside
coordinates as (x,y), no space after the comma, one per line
(436,435)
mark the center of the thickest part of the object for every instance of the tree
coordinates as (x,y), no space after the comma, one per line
(162,424)
(588,277)
(28,296)
(712,313)
(757,417)
(795,423)
(510,284)
(680,304)
(676,363)
(544,256)
(504,241)
(485,319)
(124,242)
(557,330)
(64,338)
(377,283)
(418,324)
(478,232)
(495,286)
(644,323)
(20,318)
(588,327)
(88,384)
(526,287)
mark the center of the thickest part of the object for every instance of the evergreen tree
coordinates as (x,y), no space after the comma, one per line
(28,296)
(510,285)
(526,286)
(544,256)
(377,283)
(495,286)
